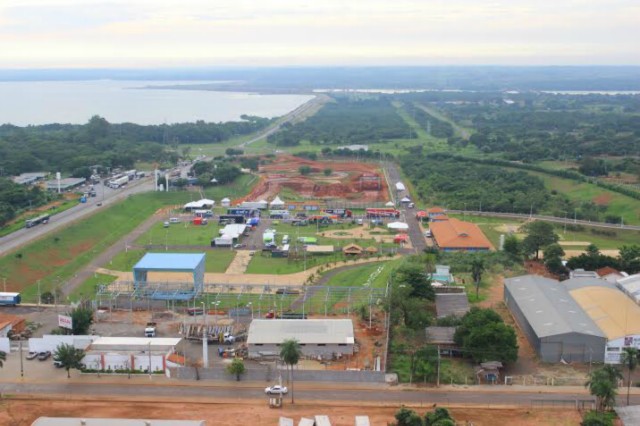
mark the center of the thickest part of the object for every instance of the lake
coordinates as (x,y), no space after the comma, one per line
(43,102)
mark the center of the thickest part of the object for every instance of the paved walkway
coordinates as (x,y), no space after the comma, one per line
(239,263)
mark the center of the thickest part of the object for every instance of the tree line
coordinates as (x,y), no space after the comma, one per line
(347,120)
(68,147)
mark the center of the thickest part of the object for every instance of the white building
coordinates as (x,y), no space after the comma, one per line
(131,353)
(317,337)
(93,421)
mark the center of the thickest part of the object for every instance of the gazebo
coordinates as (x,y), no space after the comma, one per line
(352,249)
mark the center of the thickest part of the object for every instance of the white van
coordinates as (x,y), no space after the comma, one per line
(285,239)
(174,220)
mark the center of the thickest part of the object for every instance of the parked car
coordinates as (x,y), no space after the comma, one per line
(270,315)
(98,204)
(276,389)
(239,246)
(32,355)
(43,356)
(165,224)
(57,364)
(252,252)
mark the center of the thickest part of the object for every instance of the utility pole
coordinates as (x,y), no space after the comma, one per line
(4,284)
(438,377)
(21,361)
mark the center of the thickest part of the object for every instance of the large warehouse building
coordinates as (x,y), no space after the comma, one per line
(554,323)
(614,312)
(317,337)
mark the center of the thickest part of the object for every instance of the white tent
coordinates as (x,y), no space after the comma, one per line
(400,186)
(397,225)
(225,202)
(207,202)
(405,200)
(277,202)
(390,204)
(191,205)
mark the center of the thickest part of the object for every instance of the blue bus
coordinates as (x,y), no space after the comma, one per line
(11,299)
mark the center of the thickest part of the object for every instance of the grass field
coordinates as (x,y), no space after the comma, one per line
(89,288)
(215,260)
(183,233)
(617,204)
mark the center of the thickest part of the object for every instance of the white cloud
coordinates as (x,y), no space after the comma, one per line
(103,32)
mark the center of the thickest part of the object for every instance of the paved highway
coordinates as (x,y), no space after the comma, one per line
(105,195)
(303,393)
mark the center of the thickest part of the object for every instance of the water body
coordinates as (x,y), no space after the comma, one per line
(43,102)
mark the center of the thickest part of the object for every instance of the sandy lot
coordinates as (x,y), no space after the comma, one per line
(24,412)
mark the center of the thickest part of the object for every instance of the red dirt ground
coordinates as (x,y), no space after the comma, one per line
(348,180)
(24,412)
(603,199)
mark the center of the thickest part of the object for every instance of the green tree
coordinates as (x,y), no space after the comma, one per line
(603,384)
(327,171)
(553,258)
(630,358)
(539,234)
(414,276)
(484,336)
(290,354)
(477,268)
(304,170)
(553,250)
(629,258)
(69,356)
(593,418)
(439,417)
(236,368)
(81,318)
(407,417)
(3,358)
(512,246)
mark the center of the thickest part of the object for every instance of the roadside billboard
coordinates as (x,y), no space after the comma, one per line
(65,321)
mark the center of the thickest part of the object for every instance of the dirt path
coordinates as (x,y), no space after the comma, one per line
(94,266)
(457,129)
(239,263)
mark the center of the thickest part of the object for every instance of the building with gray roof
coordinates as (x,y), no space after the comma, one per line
(555,324)
(317,337)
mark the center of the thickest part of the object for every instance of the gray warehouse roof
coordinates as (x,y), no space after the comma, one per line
(452,304)
(309,331)
(549,308)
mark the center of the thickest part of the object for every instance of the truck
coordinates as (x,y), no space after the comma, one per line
(117,183)
(10,299)
(339,212)
(246,212)
(382,212)
(150,329)
(130,174)
(231,218)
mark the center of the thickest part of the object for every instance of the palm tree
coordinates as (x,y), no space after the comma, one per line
(477,268)
(3,358)
(290,353)
(236,368)
(630,357)
(69,356)
(603,384)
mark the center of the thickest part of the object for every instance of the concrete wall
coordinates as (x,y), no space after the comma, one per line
(270,376)
(521,320)
(307,350)
(572,347)
(50,342)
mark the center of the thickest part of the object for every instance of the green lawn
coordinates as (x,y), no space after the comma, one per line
(89,288)
(617,204)
(215,260)
(183,233)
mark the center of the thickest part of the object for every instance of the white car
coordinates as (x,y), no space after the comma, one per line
(276,389)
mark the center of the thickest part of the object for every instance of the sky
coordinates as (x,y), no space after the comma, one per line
(144,33)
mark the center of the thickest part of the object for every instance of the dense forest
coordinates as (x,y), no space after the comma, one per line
(67,148)
(348,120)
(544,126)
(455,185)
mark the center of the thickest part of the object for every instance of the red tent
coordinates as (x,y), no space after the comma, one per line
(401,238)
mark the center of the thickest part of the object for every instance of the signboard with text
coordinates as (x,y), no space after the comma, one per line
(65,321)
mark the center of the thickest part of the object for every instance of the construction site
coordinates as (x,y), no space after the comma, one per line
(347,181)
